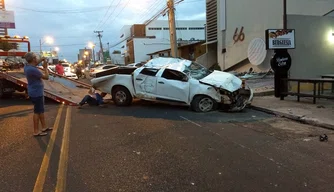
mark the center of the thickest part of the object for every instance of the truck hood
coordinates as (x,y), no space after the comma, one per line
(223,80)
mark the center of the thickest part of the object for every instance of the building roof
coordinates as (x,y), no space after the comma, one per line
(187,45)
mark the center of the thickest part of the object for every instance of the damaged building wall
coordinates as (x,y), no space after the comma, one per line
(251,18)
(314,53)
(209,58)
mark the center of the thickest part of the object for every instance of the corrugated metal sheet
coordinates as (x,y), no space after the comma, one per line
(211,20)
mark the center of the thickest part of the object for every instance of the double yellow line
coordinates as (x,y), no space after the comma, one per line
(62,167)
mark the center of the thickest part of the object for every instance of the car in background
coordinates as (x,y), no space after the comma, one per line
(71,75)
(136,64)
(67,67)
(101,68)
(68,74)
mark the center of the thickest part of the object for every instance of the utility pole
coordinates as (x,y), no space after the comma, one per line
(99,35)
(172,30)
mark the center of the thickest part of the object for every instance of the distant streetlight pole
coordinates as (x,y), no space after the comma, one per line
(92,46)
(48,40)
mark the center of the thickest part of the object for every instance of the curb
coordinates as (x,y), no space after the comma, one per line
(264,93)
(297,118)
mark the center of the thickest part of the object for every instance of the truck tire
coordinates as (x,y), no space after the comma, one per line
(203,103)
(2,94)
(121,96)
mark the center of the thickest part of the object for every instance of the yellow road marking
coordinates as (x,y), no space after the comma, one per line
(62,168)
(39,184)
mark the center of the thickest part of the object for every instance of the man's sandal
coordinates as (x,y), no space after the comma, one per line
(47,129)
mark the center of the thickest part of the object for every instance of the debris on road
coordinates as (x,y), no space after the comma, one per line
(323,137)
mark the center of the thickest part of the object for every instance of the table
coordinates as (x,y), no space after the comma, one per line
(314,81)
(329,76)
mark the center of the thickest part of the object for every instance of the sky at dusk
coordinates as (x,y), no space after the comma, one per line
(71,23)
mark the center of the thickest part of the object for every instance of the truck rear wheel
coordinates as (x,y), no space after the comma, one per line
(4,95)
(121,96)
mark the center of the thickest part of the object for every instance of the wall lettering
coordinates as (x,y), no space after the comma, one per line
(239,35)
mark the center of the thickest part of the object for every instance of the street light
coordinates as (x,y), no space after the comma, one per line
(57,49)
(92,46)
(48,40)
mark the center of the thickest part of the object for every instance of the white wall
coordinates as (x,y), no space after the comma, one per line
(184,34)
(256,16)
(117,59)
(144,46)
(313,55)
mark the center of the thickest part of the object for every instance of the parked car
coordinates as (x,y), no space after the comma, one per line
(175,81)
(136,64)
(67,67)
(101,68)
(68,74)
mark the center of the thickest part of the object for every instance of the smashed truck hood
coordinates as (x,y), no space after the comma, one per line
(223,80)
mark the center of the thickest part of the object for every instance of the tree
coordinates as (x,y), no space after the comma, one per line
(116,52)
(6,46)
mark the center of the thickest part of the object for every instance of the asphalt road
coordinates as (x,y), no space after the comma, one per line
(153,147)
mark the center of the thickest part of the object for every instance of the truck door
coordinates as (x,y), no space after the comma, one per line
(145,83)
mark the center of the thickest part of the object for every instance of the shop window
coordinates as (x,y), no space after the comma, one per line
(196,28)
(181,28)
(154,28)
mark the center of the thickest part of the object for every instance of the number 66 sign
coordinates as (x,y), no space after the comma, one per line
(239,36)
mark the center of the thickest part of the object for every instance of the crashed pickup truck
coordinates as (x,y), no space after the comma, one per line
(175,81)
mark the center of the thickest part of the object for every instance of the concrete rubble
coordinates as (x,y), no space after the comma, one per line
(320,114)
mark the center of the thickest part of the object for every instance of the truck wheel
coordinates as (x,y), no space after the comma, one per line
(203,103)
(2,94)
(121,96)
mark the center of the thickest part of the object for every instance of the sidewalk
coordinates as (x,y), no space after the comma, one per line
(320,114)
(263,86)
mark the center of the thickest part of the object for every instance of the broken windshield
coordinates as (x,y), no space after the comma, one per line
(196,71)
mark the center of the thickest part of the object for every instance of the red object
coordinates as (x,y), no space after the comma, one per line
(60,69)
(8,54)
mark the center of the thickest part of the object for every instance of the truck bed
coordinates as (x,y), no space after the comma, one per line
(116,70)
(58,88)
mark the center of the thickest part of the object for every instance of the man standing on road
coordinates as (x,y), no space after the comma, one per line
(36,90)
(60,69)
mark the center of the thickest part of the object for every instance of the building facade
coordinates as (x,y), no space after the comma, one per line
(85,55)
(190,51)
(233,24)
(136,41)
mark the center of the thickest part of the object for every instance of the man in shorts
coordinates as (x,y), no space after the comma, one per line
(36,90)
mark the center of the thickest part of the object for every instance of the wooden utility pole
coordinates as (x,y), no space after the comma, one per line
(101,46)
(3,31)
(172,30)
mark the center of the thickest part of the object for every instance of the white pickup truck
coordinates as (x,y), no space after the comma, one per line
(175,81)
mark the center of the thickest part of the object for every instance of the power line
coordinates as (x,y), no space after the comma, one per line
(121,10)
(69,11)
(154,6)
(110,14)
(105,13)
